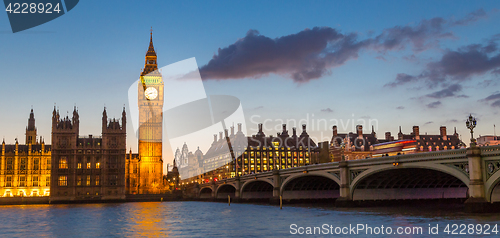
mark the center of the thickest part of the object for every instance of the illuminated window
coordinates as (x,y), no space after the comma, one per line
(35,181)
(48,163)
(47,180)
(88,180)
(78,180)
(63,180)
(8,182)
(36,164)
(63,164)
(79,165)
(88,165)
(289,154)
(9,164)
(22,181)
(22,166)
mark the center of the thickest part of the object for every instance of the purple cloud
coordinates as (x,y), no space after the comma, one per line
(312,53)
(493,97)
(400,108)
(447,92)
(434,104)
(402,79)
(471,17)
(457,66)
(328,110)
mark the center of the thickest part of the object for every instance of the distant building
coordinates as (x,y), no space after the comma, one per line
(25,169)
(258,153)
(172,178)
(87,168)
(359,146)
(356,145)
(426,143)
(488,140)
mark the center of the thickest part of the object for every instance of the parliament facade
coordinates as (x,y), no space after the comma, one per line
(25,168)
(73,168)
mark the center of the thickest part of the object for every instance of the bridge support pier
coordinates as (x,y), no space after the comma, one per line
(345,199)
(237,192)
(275,200)
(476,203)
(214,190)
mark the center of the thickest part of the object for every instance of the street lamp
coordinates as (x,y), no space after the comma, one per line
(471,124)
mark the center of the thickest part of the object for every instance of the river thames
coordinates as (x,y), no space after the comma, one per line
(205,219)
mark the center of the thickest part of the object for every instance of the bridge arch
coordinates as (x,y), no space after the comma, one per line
(257,189)
(225,190)
(492,187)
(420,181)
(205,192)
(311,186)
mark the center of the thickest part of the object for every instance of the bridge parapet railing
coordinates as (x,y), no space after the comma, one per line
(492,150)
(424,156)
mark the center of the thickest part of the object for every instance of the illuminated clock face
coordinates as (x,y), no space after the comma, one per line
(151,93)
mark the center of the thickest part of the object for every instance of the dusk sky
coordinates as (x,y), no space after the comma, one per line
(400,63)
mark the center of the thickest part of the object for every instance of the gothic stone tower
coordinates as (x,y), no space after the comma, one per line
(31,130)
(150,103)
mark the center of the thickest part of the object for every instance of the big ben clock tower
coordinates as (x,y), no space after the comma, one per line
(150,102)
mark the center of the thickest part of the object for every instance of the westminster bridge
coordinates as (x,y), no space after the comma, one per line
(471,173)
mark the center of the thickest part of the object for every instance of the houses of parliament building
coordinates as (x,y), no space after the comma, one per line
(90,168)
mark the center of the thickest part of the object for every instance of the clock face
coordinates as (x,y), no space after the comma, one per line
(151,93)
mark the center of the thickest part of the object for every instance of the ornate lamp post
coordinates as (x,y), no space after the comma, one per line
(471,124)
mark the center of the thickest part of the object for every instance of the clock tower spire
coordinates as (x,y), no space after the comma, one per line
(151,64)
(150,103)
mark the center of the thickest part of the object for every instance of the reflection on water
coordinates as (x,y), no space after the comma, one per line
(203,219)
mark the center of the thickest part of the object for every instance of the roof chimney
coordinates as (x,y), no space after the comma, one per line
(239,127)
(388,136)
(442,130)
(416,133)
(334,128)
